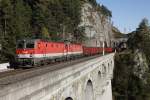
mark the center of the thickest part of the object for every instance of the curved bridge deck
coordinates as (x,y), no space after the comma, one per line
(76,81)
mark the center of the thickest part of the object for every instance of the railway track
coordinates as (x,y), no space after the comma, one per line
(13,76)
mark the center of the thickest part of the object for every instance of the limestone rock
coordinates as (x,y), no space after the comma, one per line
(96,29)
(140,66)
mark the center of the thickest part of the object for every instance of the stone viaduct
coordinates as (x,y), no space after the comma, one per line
(89,80)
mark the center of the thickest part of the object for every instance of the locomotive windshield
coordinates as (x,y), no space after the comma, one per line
(30,45)
(21,44)
(25,44)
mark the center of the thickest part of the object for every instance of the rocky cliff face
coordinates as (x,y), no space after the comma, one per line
(131,76)
(140,67)
(97,29)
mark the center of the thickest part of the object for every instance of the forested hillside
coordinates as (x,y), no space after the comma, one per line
(29,17)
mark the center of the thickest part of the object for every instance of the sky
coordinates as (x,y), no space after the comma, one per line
(127,14)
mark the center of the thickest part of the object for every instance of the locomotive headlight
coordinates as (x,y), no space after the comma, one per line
(17,56)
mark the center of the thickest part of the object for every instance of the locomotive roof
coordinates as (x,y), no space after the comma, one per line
(45,41)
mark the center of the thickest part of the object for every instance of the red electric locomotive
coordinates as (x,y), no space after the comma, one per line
(33,52)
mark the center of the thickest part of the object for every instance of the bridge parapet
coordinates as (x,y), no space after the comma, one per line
(90,80)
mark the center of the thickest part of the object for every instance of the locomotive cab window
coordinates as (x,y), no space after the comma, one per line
(21,44)
(30,45)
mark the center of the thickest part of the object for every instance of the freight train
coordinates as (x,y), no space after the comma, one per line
(37,52)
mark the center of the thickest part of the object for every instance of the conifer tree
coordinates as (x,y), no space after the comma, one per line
(21,19)
(7,39)
(141,38)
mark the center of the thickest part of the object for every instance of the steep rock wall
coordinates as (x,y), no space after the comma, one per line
(131,76)
(97,29)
